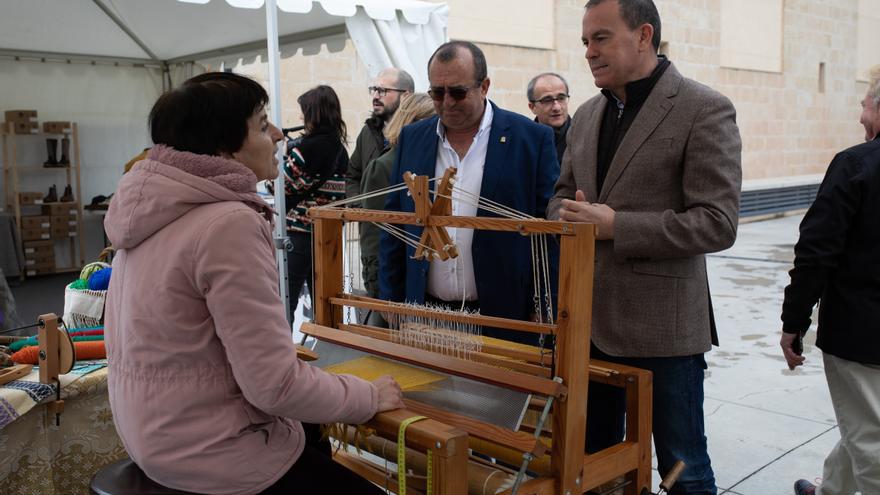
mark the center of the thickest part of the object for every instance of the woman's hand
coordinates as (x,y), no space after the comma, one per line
(390,396)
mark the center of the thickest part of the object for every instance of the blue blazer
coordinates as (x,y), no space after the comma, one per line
(520,172)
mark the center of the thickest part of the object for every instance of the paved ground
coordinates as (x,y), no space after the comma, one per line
(767,426)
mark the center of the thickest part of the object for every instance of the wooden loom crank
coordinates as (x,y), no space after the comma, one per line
(434,236)
(56,357)
(558,454)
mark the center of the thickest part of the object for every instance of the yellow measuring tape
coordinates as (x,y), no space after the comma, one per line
(401,456)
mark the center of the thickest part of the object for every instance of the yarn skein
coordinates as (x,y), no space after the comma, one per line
(91,268)
(100,280)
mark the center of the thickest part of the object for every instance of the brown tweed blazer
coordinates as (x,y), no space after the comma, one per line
(674,184)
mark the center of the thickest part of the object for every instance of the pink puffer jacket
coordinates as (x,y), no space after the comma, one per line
(205,387)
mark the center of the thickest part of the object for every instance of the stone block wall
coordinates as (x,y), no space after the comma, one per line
(789,127)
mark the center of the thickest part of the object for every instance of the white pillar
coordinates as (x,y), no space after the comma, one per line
(281,241)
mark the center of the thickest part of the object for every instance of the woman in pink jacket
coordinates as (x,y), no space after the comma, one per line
(206,390)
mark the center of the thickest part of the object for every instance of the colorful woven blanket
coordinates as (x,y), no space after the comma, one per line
(20,396)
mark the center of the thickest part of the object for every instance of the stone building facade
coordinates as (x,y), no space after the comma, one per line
(794,69)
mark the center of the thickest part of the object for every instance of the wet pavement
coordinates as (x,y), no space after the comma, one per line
(767,426)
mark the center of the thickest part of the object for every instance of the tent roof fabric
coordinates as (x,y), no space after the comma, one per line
(169,30)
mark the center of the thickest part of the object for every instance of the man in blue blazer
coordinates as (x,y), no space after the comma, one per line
(501,156)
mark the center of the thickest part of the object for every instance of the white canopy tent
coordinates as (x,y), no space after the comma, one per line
(167,33)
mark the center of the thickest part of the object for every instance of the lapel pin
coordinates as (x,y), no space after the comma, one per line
(503,139)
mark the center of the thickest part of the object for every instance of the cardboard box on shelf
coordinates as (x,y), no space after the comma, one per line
(34,248)
(56,127)
(63,232)
(35,259)
(63,222)
(59,209)
(36,222)
(20,115)
(43,269)
(30,198)
(31,210)
(20,127)
(36,234)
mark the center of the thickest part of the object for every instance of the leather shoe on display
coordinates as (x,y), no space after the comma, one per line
(52,149)
(67,197)
(64,161)
(52,197)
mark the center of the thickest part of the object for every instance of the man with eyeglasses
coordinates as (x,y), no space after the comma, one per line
(385,92)
(548,100)
(501,156)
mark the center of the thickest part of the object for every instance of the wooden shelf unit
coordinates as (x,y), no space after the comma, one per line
(12,174)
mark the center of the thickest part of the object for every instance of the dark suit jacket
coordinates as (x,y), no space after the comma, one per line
(674,184)
(520,171)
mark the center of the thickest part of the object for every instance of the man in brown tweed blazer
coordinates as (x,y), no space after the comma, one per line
(654,161)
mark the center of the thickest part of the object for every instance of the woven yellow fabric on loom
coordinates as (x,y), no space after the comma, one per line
(506,344)
(410,378)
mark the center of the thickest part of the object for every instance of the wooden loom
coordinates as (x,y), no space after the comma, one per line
(566,470)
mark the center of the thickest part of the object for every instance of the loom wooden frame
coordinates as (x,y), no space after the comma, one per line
(571,471)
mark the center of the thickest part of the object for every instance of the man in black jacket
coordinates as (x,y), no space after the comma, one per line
(385,92)
(837,260)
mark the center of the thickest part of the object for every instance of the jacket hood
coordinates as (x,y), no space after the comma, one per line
(167,185)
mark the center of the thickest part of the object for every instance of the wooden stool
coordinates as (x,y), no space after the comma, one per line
(126,478)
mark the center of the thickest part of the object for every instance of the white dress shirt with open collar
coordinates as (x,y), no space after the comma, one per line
(453,280)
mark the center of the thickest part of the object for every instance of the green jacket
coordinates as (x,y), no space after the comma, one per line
(370,143)
(376,175)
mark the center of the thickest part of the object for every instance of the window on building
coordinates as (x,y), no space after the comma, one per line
(821,77)
(751,34)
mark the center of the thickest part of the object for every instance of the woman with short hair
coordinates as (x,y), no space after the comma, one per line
(206,390)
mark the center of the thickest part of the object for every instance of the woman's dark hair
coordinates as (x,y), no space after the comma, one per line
(320,107)
(208,114)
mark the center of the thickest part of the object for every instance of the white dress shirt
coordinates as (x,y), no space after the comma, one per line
(453,280)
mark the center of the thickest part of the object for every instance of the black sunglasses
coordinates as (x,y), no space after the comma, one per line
(457,93)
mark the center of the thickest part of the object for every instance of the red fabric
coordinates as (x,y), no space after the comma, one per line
(84,350)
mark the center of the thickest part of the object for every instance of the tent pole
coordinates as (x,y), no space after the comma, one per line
(282,242)
(125,29)
(167,85)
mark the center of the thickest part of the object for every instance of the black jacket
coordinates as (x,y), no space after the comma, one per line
(370,143)
(559,135)
(837,259)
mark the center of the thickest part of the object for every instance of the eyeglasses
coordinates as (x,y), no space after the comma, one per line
(457,93)
(548,100)
(383,91)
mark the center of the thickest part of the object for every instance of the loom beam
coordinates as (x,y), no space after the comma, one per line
(570,470)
